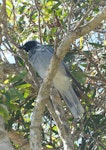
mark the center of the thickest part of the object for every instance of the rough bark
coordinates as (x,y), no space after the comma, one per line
(5,143)
(61,121)
(18,139)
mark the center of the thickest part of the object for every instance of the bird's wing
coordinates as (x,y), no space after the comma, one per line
(47,48)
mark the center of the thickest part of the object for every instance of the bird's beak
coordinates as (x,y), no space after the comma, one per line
(21,47)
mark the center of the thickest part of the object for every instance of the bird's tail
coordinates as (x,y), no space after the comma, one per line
(72,102)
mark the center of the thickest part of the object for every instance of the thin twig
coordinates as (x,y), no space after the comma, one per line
(82,19)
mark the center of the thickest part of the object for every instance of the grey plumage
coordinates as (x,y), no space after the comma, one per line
(39,57)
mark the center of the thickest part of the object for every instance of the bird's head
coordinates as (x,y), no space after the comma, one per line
(29,45)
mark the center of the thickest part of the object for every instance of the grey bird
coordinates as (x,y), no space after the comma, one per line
(39,56)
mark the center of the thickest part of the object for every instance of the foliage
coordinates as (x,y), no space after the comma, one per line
(49,21)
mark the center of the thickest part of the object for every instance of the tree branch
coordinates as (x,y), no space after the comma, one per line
(43,94)
(61,121)
(18,139)
(4,139)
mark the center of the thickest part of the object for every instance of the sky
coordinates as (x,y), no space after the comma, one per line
(8,56)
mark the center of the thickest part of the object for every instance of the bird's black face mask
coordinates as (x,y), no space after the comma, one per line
(28,45)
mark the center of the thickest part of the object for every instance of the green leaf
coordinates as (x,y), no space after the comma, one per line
(18,77)
(104,67)
(56,6)
(80,76)
(96,9)
(8,3)
(55,130)
(104,56)
(96,45)
(6,81)
(26,93)
(49,146)
(13,106)
(15,94)
(94,93)
(24,86)
(8,7)
(4,112)
(22,9)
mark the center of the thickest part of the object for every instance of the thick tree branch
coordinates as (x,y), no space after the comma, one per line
(43,94)
(5,143)
(61,121)
(18,139)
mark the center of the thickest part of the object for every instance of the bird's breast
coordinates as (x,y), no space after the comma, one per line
(40,62)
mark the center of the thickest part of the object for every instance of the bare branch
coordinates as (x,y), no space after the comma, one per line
(82,19)
(61,121)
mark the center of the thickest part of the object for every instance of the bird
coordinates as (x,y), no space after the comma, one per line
(39,57)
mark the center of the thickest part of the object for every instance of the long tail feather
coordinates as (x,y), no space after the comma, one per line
(72,102)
